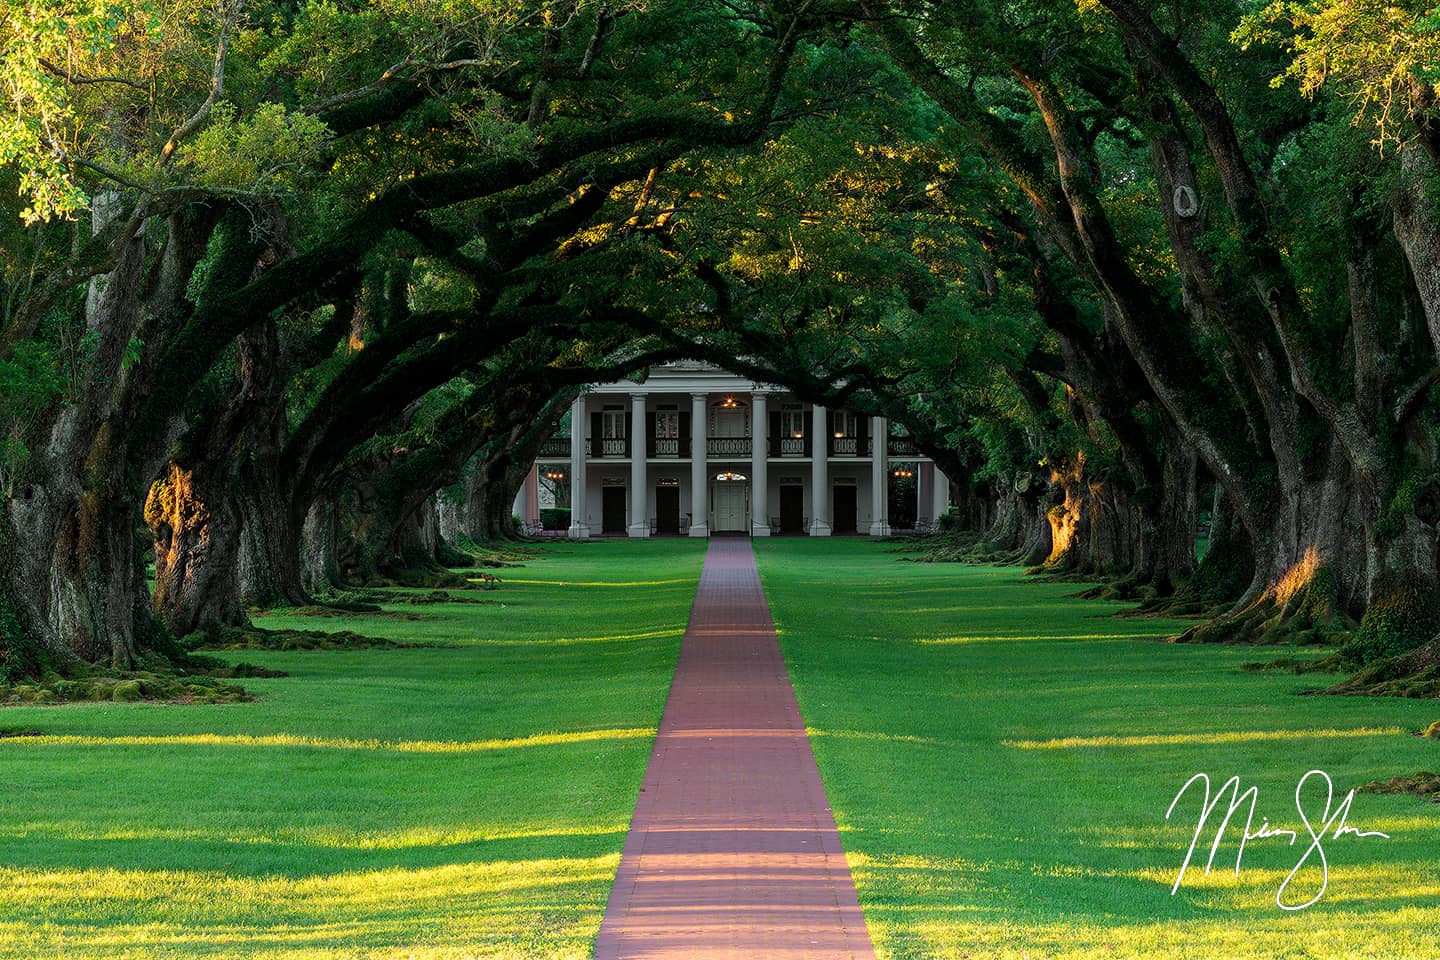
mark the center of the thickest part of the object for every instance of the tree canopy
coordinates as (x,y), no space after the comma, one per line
(270,264)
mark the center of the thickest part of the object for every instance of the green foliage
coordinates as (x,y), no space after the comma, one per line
(265,152)
(1377,52)
(30,384)
(40,106)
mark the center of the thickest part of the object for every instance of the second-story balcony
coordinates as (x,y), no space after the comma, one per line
(618,448)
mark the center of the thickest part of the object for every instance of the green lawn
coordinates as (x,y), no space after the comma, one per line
(1000,760)
(469,801)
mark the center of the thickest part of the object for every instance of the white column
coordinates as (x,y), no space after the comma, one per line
(521,507)
(939,496)
(699,468)
(879,477)
(532,495)
(759,466)
(639,496)
(579,423)
(819,473)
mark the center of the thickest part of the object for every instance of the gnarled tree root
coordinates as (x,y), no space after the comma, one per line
(1414,674)
(1424,784)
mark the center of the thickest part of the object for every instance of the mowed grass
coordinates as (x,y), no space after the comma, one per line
(463,801)
(1000,759)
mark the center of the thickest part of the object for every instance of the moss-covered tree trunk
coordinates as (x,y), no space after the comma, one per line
(272,527)
(320,569)
(1163,518)
(195,521)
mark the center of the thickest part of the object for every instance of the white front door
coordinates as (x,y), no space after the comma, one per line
(729,507)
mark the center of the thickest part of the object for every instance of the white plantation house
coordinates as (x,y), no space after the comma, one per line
(696,450)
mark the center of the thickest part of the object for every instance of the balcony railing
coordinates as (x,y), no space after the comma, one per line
(661,447)
(902,447)
(728,446)
(849,446)
(669,447)
(610,447)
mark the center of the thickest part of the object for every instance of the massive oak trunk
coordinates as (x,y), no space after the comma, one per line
(490,491)
(71,559)
(196,512)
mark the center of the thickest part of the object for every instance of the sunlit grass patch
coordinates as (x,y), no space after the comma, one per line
(321,743)
(543,907)
(1216,737)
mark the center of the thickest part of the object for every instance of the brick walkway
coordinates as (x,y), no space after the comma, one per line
(733,850)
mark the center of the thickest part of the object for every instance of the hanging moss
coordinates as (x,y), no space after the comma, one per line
(18,657)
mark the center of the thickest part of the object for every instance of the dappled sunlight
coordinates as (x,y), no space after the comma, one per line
(413,838)
(1004,637)
(1218,737)
(322,743)
(603,583)
(501,909)
(414,803)
(872,735)
(1350,884)
(1004,935)
(901,589)
(1297,577)
(669,633)
(958,907)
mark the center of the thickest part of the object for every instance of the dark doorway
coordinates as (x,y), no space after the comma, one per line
(612,509)
(902,500)
(792,509)
(667,509)
(844,510)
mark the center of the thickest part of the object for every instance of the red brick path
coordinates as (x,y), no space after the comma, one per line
(733,850)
